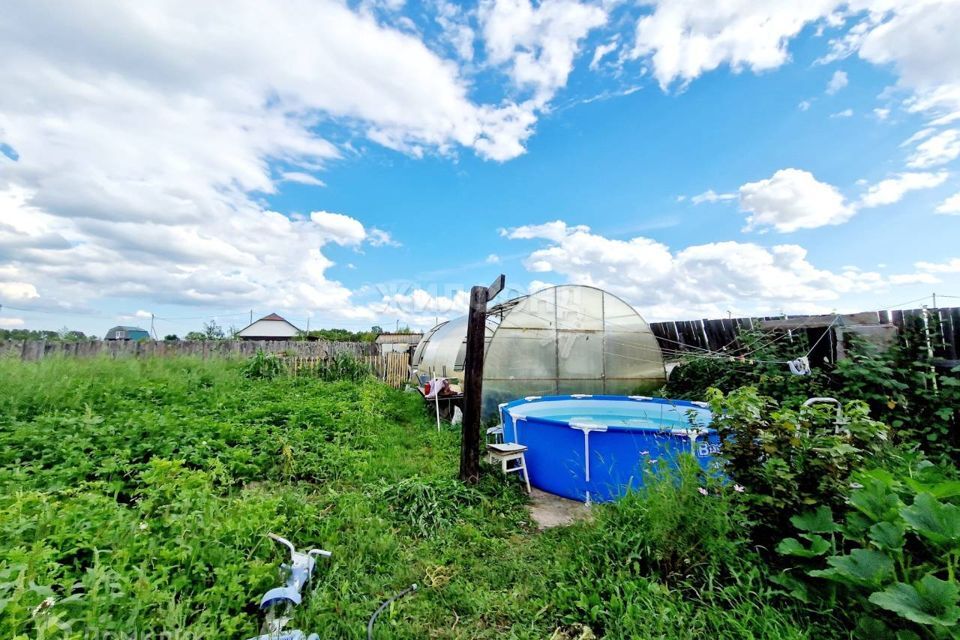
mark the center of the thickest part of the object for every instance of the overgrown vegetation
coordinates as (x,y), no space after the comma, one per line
(341,366)
(788,459)
(895,556)
(903,386)
(135,496)
(862,507)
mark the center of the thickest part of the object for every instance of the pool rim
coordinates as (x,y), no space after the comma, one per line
(691,404)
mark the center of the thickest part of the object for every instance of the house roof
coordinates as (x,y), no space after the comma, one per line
(273,317)
(399,338)
(126,328)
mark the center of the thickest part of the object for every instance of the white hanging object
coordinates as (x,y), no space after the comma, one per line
(800,366)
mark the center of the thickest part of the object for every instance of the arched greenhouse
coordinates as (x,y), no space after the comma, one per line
(561,340)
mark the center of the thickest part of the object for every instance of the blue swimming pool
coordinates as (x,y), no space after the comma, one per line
(595,448)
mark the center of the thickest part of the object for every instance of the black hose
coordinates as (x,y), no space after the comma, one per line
(383,606)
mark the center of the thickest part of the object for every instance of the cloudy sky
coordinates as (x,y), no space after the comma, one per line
(362,163)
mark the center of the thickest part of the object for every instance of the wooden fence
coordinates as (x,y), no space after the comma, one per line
(392,368)
(31,350)
(721,335)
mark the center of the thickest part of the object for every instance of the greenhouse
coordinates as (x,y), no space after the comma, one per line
(561,340)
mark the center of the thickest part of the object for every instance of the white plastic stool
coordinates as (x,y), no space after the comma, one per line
(504,453)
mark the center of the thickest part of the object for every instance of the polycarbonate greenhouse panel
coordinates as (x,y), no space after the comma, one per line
(632,355)
(579,309)
(522,353)
(566,339)
(580,354)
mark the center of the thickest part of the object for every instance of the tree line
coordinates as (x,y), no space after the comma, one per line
(210,331)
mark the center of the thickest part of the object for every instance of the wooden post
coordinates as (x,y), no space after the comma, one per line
(473,380)
(473,386)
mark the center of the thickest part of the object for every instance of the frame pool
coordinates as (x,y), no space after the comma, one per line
(594,448)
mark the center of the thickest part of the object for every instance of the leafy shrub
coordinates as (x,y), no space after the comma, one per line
(905,390)
(791,459)
(895,557)
(263,366)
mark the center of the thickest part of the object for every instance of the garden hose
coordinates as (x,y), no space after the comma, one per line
(373,618)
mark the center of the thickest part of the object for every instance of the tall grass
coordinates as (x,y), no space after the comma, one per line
(136,495)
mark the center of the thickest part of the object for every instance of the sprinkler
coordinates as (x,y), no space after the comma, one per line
(280,601)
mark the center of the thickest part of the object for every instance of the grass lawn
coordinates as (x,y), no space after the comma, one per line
(138,495)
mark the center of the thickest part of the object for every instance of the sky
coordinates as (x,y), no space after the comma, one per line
(350,164)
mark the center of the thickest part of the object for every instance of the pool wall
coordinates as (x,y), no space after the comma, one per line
(595,448)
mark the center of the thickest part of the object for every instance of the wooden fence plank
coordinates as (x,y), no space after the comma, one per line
(714,335)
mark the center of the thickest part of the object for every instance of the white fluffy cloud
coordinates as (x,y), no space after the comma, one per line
(936,150)
(837,82)
(893,189)
(700,280)
(144,138)
(556,231)
(338,228)
(919,38)
(950,206)
(420,307)
(602,51)
(537,43)
(793,199)
(13,290)
(684,38)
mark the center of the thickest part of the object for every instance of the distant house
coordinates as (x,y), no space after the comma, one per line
(271,327)
(398,342)
(127,333)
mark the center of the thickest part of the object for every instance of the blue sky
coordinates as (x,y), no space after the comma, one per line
(365,163)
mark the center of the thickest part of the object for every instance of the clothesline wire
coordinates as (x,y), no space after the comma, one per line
(762,346)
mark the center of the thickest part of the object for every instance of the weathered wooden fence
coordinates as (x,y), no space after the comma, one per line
(392,368)
(721,335)
(30,350)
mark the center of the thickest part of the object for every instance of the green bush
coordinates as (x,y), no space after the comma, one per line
(791,459)
(263,366)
